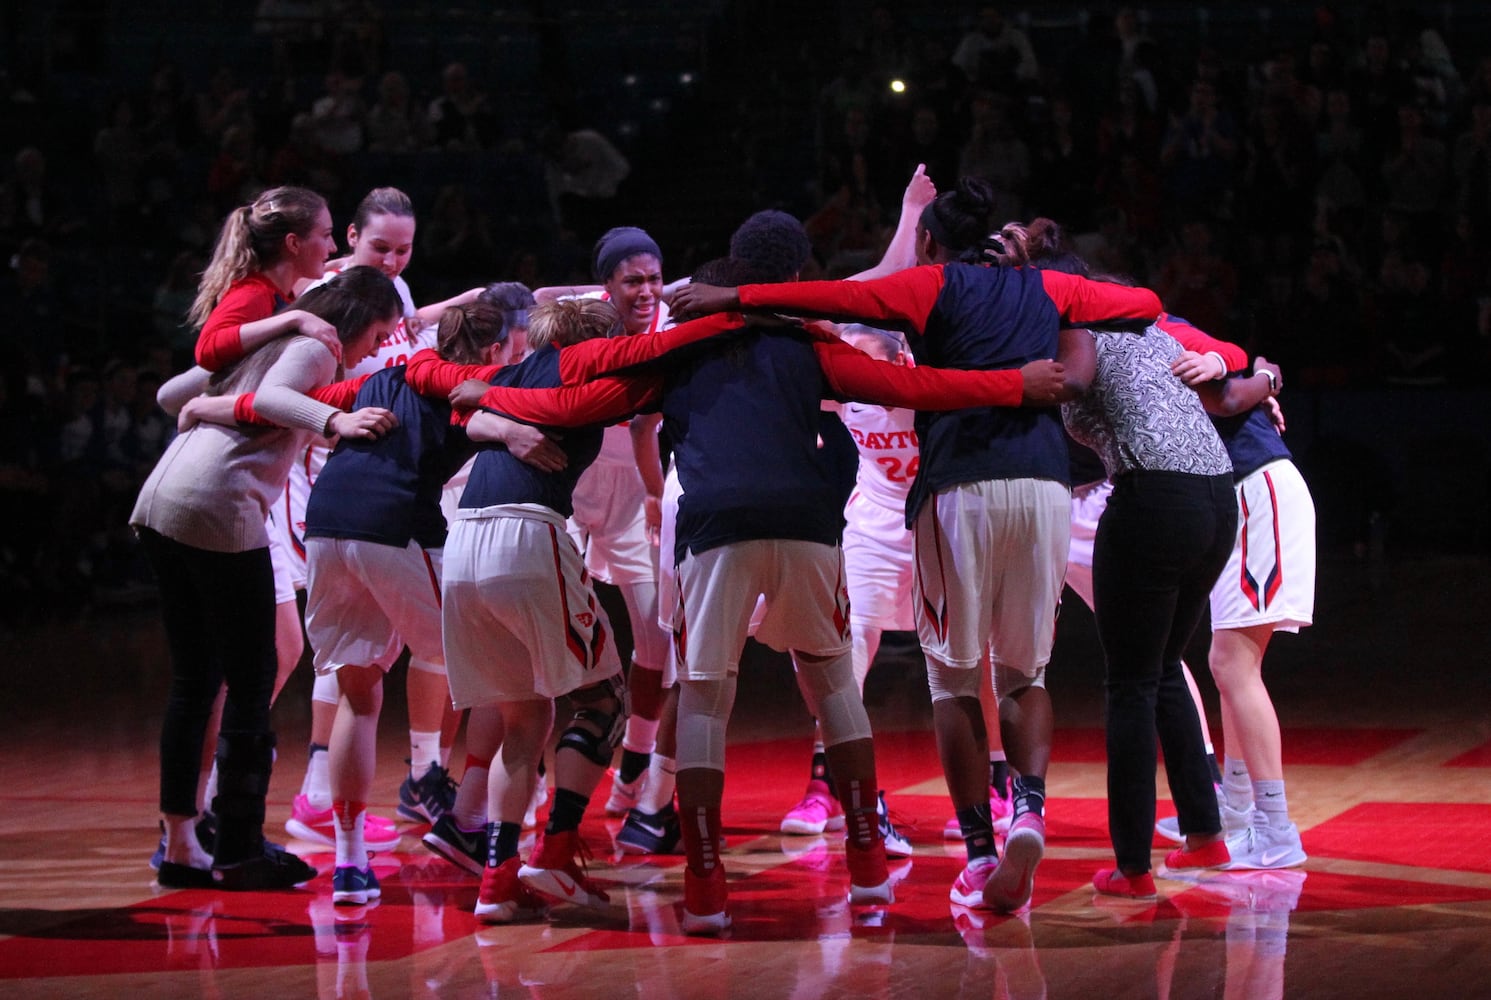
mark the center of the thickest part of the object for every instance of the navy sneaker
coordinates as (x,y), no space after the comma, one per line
(429,798)
(463,848)
(353,886)
(651,833)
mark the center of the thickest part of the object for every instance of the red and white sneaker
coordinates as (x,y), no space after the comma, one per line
(968,887)
(704,899)
(504,899)
(818,811)
(869,876)
(319,827)
(557,870)
(1013,881)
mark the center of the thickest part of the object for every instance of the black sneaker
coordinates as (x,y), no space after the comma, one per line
(429,798)
(274,869)
(651,833)
(463,848)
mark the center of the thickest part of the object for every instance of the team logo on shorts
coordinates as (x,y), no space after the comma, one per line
(585,618)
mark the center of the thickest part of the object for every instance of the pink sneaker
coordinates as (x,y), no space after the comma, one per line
(319,827)
(1001,810)
(968,888)
(818,811)
(1012,883)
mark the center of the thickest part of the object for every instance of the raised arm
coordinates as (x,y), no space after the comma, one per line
(900,253)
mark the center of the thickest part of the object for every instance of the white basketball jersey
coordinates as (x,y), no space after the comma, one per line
(887,451)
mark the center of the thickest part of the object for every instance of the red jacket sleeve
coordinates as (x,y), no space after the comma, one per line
(853,374)
(1194,339)
(430,375)
(591,358)
(339,394)
(602,401)
(218,345)
(1081,300)
(905,298)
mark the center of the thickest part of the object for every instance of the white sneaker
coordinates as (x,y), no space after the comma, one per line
(1234,822)
(1263,847)
(540,796)
(896,844)
(623,794)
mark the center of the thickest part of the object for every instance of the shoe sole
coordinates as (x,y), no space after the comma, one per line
(1244,865)
(802,828)
(705,924)
(555,885)
(506,913)
(309,834)
(452,853)
(630,847)
(352,898)
(1013,881)
(872,895)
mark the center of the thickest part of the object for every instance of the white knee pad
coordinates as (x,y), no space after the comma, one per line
(326,689)
(952,682)
(833,697)
(703,712)
(1009,681)
(649,642)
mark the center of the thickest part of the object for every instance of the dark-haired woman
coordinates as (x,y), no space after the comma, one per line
(200,517)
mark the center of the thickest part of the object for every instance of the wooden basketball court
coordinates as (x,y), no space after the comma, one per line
(1386,706)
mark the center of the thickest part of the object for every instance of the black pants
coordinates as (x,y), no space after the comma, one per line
(219,611)
(1160,546)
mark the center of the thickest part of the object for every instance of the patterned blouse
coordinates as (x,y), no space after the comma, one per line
(1137,415)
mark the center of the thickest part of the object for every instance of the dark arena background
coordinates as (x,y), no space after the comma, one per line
(1341,227)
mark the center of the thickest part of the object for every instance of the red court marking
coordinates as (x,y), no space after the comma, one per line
(1478,757)
(1444,835)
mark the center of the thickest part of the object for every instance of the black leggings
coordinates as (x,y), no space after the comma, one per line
(219,612)
(1160,546)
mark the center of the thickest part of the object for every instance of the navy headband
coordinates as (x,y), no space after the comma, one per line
(617,246)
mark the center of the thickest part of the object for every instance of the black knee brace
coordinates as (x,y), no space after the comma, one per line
(599,721)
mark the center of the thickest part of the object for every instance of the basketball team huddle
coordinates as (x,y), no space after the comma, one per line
(937,445)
